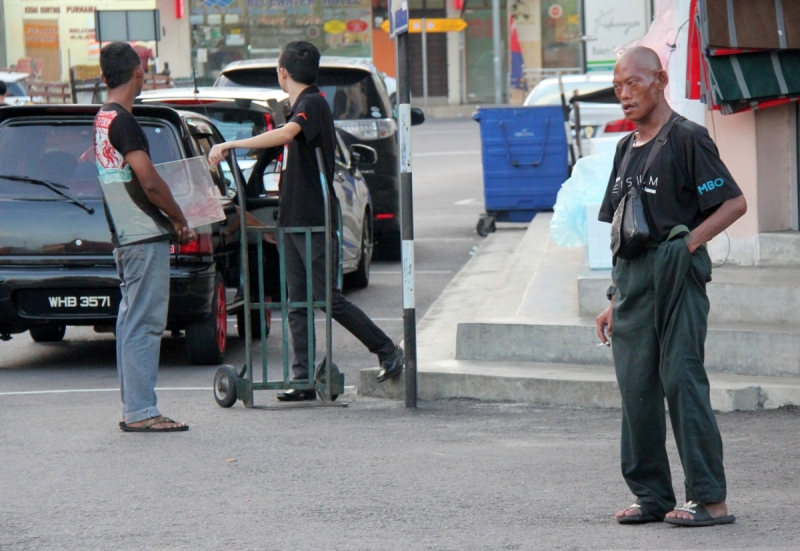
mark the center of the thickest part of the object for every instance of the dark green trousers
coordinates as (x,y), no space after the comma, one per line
(660,319)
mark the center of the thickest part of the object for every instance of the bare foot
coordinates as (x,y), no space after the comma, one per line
(632,511)
(714,509)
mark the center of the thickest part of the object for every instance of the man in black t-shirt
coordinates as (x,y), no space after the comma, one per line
(659,307)
(310,127)
(123,158)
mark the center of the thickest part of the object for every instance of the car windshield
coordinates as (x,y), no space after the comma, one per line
(350,93)
(62,153)
(549,94)
(17,88)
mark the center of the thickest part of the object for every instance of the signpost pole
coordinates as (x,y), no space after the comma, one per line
(424,63)
(498,66)
(407,222)
(406,195)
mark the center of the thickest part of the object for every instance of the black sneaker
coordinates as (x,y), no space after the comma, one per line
(391,365)
(295,395)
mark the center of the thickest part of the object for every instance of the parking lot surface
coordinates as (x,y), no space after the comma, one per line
(374,476)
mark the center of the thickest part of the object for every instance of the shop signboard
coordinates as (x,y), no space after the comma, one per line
(50,36)
(608,25)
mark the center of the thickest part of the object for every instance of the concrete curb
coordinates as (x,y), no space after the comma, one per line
(574,386)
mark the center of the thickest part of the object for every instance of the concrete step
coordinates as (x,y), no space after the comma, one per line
(566,385)
(738,294)
(742,349)
(779,248)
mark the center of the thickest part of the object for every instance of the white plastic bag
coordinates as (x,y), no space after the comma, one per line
(586,185)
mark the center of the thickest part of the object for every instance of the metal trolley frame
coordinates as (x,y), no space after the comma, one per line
(230,385)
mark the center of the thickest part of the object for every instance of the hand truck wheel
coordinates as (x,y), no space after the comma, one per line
(225,381)
(322,373)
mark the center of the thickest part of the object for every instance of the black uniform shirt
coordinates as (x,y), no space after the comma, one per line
(685,183)
(301,202)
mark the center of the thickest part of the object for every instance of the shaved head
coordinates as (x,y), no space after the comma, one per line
(639,83)
(642,58)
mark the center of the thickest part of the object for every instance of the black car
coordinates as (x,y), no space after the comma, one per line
(361,109)
(56,262)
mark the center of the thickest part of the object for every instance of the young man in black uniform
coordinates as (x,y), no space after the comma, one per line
(310,127)
(659,307)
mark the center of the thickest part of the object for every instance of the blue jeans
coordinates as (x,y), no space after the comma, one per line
(144,283)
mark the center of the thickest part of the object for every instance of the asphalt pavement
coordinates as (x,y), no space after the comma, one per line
(451,475)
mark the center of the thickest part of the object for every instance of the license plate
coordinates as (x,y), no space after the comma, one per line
(61,302)
(100,301)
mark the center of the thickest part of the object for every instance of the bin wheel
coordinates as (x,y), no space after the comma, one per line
(485,226)
(225,381)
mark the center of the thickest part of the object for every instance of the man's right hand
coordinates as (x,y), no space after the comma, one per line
(604,326)
(183,234)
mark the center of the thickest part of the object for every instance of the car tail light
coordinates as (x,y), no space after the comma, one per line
(622,125)
(202,244)
(369,129)
(387,216)
(269,121)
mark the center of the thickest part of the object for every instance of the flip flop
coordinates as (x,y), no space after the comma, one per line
(148,426)
(641,518)
(701,517)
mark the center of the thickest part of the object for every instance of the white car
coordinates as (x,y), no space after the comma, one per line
(17,85)
(598,120)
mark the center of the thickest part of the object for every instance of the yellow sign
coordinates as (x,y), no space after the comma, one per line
(433,25)
(335,26)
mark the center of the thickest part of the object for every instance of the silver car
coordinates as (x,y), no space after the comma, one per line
(598,120)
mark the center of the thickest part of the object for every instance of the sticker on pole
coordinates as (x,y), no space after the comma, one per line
(398,17)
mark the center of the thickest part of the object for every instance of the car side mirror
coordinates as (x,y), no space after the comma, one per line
(362,155)
(417,116)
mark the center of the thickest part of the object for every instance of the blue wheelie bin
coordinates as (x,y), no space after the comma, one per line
(524,162)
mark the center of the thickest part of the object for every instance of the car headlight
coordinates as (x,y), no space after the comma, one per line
(366,129)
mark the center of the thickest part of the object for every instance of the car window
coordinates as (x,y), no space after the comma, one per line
(63,153)
(17,88)
(549,94)
(238,124)
(350,93)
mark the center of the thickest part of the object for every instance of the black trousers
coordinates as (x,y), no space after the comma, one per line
(344,312)
(660,319)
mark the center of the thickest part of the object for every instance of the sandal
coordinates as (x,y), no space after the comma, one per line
(643,517)
(701,516)
(148,426)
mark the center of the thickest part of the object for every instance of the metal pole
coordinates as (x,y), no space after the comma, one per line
(424,64)
(498,69)
(407,219)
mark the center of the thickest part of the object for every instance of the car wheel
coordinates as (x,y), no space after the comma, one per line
(255,322)
(205,341)
(360,278)
(48,333)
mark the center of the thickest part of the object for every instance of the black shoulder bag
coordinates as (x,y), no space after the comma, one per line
(630,232)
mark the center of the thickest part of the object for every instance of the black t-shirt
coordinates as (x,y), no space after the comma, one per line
(685,183)
(117,133)
(301,202)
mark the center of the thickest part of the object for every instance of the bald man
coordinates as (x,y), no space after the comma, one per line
(659,307)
